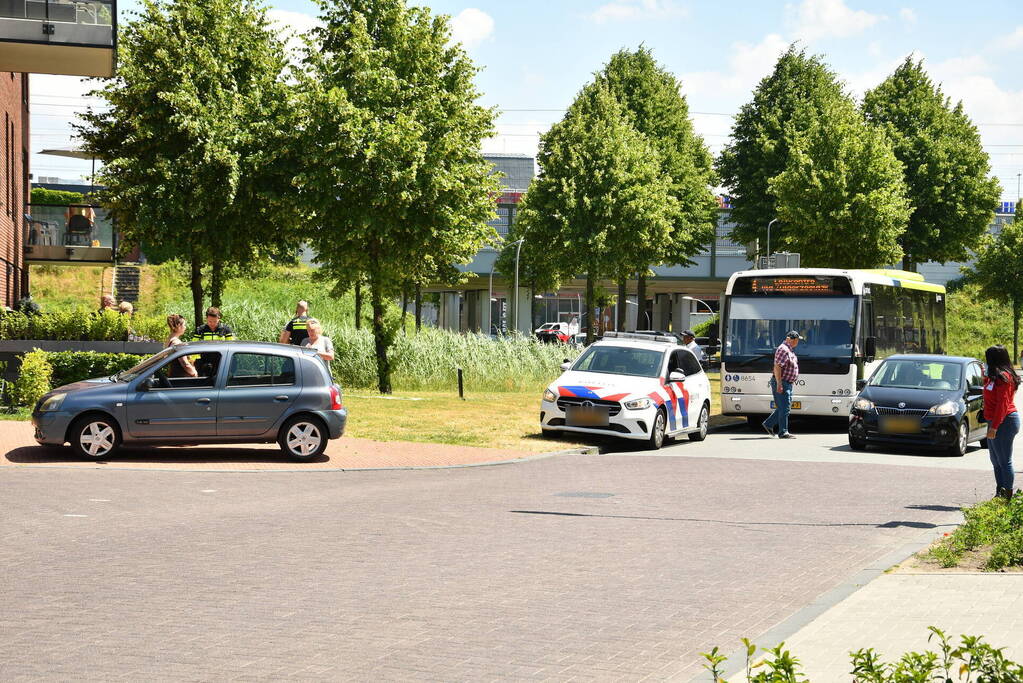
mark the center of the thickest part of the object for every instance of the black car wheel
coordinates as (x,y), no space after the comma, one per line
(303,438)
(857,437)
(95,437)
(703,424)
(958,449)
(656,439)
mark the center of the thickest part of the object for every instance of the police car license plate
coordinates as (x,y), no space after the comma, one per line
(796,405)
(587,416)
(900,425)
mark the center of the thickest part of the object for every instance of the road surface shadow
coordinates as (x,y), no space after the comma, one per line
(893,524)
(167,455)
(916,452)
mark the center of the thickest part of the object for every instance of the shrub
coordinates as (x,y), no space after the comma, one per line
(993,523)
(80,325)
(33,379)
(74,366)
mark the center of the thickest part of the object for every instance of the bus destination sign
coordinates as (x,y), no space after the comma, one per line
(793,285)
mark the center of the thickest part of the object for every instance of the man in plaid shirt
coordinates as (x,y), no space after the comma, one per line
(786,372)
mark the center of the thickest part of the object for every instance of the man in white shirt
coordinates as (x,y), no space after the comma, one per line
(689,341)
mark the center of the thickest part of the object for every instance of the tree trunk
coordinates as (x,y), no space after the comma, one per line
(1015,331)
(404,307)
(217,283)
(419,308)
(358,305)
(589,309)
(642,322)
(380,337)
(622,304)
(196,286)
(907,264)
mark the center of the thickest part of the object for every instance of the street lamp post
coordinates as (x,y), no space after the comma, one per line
(772,222)
(649,324)
(693,298)
(515,318)
(490,297)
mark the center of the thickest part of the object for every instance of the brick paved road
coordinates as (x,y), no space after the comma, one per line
(609,567)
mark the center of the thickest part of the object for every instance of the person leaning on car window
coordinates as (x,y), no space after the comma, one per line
(316,340)
(296,331)
(183,367)
(1002,419)
(689,341)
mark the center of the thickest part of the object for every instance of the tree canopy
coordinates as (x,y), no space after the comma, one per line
(841,194)
(196,160)
(391,173)
(999,270)
(947,171)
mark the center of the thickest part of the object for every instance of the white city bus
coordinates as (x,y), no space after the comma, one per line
(851,320)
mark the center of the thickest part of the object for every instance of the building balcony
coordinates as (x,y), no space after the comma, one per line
(69,37)
(76,233)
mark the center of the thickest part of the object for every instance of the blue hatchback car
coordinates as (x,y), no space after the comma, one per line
(243,392)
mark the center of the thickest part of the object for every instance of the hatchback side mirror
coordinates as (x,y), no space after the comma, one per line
(860,383)
(148,383)
(566,365)
(870,348)
(974,392)
(676,376)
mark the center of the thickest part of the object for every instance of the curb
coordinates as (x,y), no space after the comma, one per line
(821,604)
(585,450)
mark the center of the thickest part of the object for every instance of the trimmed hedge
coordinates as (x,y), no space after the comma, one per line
(81,326)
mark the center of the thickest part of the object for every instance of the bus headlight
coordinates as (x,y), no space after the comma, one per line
(549,396)
(638,404)
(946,408)
(863,404)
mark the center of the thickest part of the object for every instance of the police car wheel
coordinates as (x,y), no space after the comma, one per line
(703,425)
(657,430)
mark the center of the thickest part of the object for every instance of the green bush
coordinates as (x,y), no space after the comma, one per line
(74,366)
(81,325)
(42,195)
(33,379)
(994,523)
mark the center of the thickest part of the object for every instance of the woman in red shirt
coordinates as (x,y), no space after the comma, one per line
(1002,418)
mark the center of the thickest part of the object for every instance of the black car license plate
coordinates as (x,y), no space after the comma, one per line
(587,416)
(898,424)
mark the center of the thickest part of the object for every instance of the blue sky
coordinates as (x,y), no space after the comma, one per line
(536,55)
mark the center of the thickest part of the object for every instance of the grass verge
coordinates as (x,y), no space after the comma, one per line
(994,526)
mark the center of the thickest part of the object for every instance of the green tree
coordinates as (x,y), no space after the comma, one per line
(841,194)
(600,199)
(196,160)
(999,270)
(759,148)
(391,169)
(652,99)
(947,170)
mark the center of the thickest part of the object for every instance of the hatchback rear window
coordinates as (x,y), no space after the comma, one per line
(258,369)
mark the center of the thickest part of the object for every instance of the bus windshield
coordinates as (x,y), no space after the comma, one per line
(757,325)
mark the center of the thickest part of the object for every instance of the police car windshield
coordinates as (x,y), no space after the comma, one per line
(620,360)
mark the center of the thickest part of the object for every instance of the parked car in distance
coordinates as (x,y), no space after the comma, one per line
(556,332)
(245,392)
(926,400)
(632,386)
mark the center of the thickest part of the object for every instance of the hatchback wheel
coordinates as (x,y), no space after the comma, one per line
(95,437)
(704,423)
(656,439)
(958,449)
(303,438)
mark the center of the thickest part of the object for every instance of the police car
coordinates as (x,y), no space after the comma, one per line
(633,386)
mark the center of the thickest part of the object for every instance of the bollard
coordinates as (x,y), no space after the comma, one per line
(461,392)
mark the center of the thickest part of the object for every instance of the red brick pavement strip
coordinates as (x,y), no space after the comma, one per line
(20,449)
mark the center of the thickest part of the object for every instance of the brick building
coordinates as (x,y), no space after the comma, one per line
(14,185)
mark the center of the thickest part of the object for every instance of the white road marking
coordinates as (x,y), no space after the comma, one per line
(76,515)
(99,500)
(208,491)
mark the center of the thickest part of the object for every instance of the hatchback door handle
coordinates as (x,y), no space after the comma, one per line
(281,399)
(202,400)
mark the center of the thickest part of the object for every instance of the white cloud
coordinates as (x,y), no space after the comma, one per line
(471,27)
(290,26)
(625,10)
(1013,40)
(748,64)
(907,15)
(814,19)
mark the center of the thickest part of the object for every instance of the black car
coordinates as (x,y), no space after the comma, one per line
(920,400)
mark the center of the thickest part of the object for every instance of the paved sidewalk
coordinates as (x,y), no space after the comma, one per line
(891,614)
(18,448)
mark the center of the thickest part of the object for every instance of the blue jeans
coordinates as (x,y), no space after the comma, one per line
(783,405)
(1000,450)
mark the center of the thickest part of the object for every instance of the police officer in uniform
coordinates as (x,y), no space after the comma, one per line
(297,329)
(213,330)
